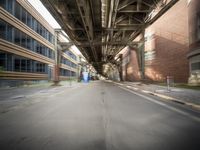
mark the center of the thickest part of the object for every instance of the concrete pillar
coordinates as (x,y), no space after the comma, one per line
(142,55)
(121,68)
(56,78)
(141,58)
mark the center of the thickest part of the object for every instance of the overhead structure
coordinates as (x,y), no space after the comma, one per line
(101,28)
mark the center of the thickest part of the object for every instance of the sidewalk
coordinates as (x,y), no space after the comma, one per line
(184,96)
(23,96)
(15,93)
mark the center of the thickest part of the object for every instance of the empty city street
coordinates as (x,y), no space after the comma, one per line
(97,116)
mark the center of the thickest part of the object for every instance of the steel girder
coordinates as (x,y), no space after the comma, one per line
(101,28)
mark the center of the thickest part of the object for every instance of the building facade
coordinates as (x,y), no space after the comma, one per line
(166,45)
(165,49)
(194,41)
(68,65)
(27,45)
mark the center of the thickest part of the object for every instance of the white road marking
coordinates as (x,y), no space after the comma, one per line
(164,105)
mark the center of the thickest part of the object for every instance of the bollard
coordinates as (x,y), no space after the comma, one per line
(169,82)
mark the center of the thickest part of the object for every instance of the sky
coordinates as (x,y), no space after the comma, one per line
(48,17)
(44,12)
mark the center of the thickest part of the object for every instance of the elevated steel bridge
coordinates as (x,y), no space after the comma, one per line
(101,28)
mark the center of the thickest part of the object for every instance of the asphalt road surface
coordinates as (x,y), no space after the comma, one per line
(97,116)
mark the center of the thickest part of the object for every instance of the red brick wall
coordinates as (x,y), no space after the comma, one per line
(194,13)
(169,44)
(132,68)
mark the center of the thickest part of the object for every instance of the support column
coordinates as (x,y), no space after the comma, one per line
(121,68)
(194,42)
(56,78)
(141,58)
(142,55)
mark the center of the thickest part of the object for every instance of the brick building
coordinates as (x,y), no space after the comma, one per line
(166,48)
(194,41)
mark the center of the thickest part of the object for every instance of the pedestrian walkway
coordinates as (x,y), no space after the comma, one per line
(181,95)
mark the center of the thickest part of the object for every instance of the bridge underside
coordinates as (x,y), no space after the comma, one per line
(101,28)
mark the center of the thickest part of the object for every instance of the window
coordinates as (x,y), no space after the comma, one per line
(3,3)
(53,55)
(2,29)
(9,33)
(38,27)
(23,40)
(29,20)
(34,24)
(24,15)
(29,43)
(17,38)
(10,6)
(50,38)
(18,11)
(38,48)
(195,66)
(13,7)
(23,65)
(9,62)
(70,54)
(17,64)
(45,33)
(2,61)
(34,45)
(34,66)
(28,64)
(41,67)
(14,35)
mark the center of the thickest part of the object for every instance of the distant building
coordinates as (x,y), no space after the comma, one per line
(68,64)
(27,46)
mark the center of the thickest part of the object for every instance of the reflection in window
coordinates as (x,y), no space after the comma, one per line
(17,64)
(2,61)
(23,65)
(9,33)
(13,7)
(18,11)
(11,62)
(2,29)
(23,40)
(17,40)
(24,16)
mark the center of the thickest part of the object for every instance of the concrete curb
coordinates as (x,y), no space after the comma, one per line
(172,99)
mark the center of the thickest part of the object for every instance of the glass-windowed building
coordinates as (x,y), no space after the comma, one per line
(68,64)
(26,43)
(27,46)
